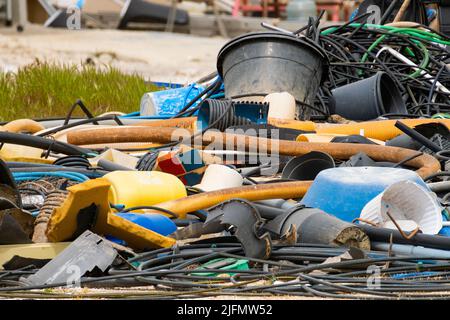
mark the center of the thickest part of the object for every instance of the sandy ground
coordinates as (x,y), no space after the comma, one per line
(157,56)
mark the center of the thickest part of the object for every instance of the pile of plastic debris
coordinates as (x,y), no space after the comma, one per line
(307,163)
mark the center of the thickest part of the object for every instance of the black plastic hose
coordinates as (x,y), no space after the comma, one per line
(42,143)
(425,240)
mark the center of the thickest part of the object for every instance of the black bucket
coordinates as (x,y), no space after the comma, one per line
(308,166)
(368,99)
(256,64)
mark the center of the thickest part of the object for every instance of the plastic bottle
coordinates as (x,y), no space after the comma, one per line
(141,188)
(301,10)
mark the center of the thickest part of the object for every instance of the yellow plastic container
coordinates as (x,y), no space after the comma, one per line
(13,152)
(143,188)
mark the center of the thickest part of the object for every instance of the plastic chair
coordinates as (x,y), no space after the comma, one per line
(264,6)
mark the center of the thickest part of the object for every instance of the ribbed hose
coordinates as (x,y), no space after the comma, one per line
(52,201)
(217,109)
(425,164)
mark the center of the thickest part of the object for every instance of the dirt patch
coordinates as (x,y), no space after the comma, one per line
(155,55)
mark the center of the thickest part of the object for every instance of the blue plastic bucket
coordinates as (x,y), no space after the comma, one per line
(343,192)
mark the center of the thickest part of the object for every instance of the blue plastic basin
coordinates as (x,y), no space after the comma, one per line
(343,192)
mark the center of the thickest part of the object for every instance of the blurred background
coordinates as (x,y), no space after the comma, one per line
(161,40)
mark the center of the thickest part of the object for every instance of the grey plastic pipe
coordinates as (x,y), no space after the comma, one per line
(278,203)
(440,186)
(408,250)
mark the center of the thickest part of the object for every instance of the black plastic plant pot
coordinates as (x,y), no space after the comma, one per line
(308,166)
(257,64)
(368,99)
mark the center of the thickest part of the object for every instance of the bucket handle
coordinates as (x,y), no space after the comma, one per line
(404,235)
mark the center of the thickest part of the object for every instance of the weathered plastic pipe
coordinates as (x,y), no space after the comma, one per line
(408,250)
(284,190)
(381,130)
(441,186)
(278,203)
(22,125)
(425,164)
(188,122)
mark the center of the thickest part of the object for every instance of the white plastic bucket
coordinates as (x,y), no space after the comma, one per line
(409,204)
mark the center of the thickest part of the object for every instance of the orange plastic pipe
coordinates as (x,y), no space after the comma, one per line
(283,190)
(425,164)
(381,130)
(188,123)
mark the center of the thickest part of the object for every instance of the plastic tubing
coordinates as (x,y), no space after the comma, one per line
(95,173)
(421,34)
(21,176)
(413,134)
(425,164)
(22,125)
(79,123)
(377,234)
(42,143)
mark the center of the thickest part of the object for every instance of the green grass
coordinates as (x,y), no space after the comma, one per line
(43,90)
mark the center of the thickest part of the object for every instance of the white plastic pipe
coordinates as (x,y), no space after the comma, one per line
(412,64)
(281,105)
(218,177)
